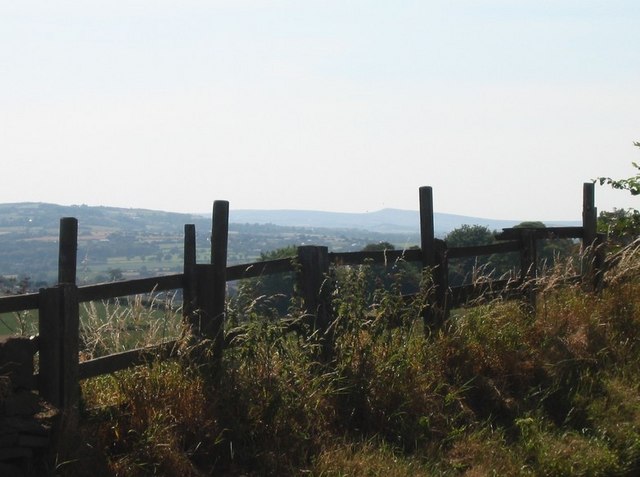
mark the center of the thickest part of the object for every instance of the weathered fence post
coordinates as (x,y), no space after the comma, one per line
(70,348)
(59,327)
(313,284)
(68,250)
(208,310)
(589,214)
(528,264)
(427,232)
(314,269)
(189,285)
(433,258)
(219,244)
(50,336)
(69,315)
(592,244)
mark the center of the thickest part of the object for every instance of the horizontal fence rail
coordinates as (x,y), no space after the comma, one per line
(126,359)
(377,257)
(544,233)
(106,291)
(254,270)
(478,250)
(203,289)
(9,304)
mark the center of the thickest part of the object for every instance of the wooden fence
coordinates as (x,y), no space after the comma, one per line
(204,289)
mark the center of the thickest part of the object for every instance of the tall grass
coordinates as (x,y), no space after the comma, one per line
(500,389)
(112,326)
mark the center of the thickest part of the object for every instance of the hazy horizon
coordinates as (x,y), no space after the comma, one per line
(258,210)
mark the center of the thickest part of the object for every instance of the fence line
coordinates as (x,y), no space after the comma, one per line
(204,286)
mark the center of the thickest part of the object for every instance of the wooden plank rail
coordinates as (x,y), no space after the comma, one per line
(377,257)
(106,291)
(15,303)
(258,269)
(543,233)
(126,359)
(477,250)
(204,289)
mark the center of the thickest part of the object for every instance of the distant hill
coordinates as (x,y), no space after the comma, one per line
(37,215)
(31,215)
(138,242)
(381,221)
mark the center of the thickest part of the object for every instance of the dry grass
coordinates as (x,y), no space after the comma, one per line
(500,390)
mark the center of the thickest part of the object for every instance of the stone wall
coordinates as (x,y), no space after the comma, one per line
(26,421)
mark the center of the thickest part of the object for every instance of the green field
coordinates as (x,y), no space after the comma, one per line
(23,323)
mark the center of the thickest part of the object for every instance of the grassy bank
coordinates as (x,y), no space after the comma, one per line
(500,390)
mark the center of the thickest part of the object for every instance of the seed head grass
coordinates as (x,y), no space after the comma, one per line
(500,389)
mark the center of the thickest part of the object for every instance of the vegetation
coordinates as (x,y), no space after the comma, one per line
(621,226)
(504,265)
(500,390)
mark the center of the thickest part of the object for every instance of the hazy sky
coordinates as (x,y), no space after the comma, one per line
(505,107)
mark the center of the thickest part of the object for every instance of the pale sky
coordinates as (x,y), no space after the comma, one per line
(505,107)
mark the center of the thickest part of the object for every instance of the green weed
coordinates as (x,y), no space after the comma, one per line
(500,389)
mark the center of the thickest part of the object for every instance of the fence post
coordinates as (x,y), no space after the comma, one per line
(70,387)
(214,328)
(50,336)
(433,258)
(427,232)
(59,327)
(68,250)
(313,284)
(592,245)
(589,214)
(528,264)
(189,286)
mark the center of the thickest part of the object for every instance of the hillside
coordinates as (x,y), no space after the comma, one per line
(114,242)
(382,221)
(132,243)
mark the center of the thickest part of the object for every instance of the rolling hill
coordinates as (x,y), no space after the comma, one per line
(140,242)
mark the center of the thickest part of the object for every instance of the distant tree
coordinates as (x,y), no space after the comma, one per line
(115,274)
(461,270)
(549,250)
(398,274)
(530,225)
(469,235)
(378,247)
(284,252)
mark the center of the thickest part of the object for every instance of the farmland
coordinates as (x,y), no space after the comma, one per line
(133,243)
